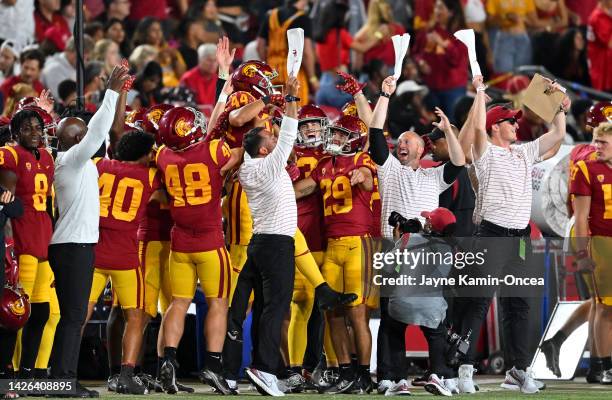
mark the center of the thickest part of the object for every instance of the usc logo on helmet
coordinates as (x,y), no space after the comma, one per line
(155,114)
(249,70)
(607,112)
(182,127)
(17,307)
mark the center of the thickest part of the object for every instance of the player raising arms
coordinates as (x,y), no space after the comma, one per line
(27,170)
(345,180)
(193,172)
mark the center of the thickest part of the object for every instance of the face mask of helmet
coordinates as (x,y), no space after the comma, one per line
(339,140)
(265,86)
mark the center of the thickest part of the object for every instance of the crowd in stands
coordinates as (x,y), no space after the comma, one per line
(170,45)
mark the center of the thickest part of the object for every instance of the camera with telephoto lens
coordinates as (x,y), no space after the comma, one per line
(458,346)
(405,225)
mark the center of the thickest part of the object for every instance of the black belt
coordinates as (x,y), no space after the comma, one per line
(503,231)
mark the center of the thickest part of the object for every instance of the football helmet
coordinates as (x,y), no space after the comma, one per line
(15,304)
(151,119)
(307,137)
(135,118)
(49,126)
(346,136)
(181,127)
(26,102)
(350,108)
(598,113)
(256,78)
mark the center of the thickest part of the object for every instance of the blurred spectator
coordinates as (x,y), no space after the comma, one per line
(333,47)
(570,61)
(55,40)
(149,31)
(115,31)
(202,79)
(192,36)
(9,57)
(67,91)
(107,52)
(377,71)
(115,9)
(578,127)
(62,66)
(47,15)
(272,44)
(206,11)
(476,19)
(552,15)
(141,9)
(376,33)
(95,30)
(530,127)
(410,71)
(148,84)
(406,109)
(442,59)
(32,62)
(579,11)
(553,20)
(17,18)
(93,84)
(462,109)
(18,92)
(512,45)
(423,11)
(142,55)
(68,11)
(599,50)
(235,20)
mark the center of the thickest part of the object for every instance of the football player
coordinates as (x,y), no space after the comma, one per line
(126,185)
(591,185)
(27,171)
(345,182)
(193,172)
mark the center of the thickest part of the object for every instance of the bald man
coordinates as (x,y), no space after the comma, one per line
(71,252)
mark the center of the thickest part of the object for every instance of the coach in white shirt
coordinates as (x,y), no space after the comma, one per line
(71,252)
(408,189)
(503,209)
(271,198)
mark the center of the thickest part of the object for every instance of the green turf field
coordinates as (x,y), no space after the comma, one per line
(489,389)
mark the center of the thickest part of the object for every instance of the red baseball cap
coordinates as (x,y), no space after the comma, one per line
(440,219)
(497,113)
(56,36)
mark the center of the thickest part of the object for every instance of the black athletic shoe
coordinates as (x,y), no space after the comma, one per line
(131,384)
(594,376)
(551,352)
(421,380)
(183,388)
(111,383)
(363,385)
(167,376)
(342,386)
(216,381)
(152,384)
(329,299)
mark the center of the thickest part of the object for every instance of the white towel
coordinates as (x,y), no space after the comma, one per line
(467,37)
(295,41)
(400,45)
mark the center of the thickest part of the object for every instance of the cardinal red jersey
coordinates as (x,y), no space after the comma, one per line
(376,207)
(194,182)
(32,231)
(346,208)
(310,213)
(125,190)
(584,152)
(157,223)
(594,178)
(234,134)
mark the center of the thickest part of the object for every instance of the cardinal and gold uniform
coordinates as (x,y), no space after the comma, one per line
(376,237)
(197,249)
(32,234)
(125,190)
(594,178)
(348,221)
(154,251)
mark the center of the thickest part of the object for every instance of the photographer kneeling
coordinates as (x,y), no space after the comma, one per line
(408,189)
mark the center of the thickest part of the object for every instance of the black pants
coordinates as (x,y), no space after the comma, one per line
(469,312)
(391,361)
(272,259)
(73,266)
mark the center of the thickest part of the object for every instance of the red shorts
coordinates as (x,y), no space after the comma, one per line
(32,233)
(117,250)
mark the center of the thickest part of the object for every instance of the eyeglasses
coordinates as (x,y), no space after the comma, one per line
(511,121)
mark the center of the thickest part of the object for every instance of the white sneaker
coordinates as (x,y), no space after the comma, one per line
(264,382)
(384,385)
(465,383)
(436,386)
(400,388)
(451,384)
(517,379)
(606,379)
(232,384)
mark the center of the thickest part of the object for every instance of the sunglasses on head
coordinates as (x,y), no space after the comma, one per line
(511,121)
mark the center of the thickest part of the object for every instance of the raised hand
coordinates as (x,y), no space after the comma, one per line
(224,56)
(117,78)
(388,85)
(444,125)
(292,86)
(349,84)
(45,101)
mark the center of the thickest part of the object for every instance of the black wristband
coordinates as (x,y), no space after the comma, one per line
(387,95)
(266,100)
(289,98)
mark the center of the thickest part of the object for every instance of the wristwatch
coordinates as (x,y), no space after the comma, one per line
(289,98)
(387,95)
